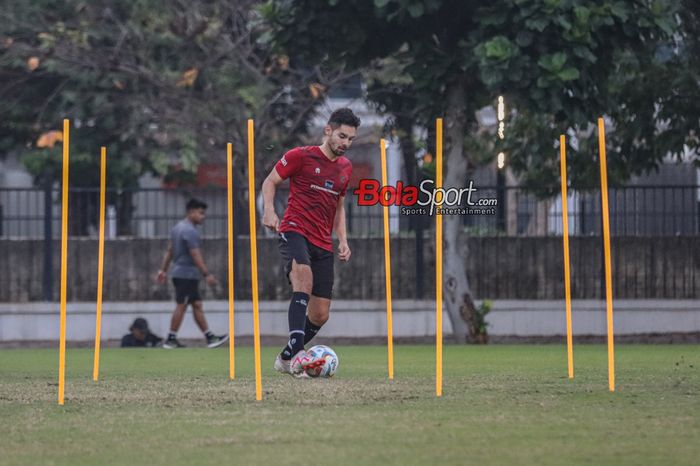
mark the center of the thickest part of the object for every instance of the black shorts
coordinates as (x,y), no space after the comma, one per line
(294,246)
(186,290)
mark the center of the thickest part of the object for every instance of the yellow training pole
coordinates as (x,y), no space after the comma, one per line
(387,268)
(229,176)
(567,276)
(608,261)
(254,257)
(438,263)
(64,263)
(100,262)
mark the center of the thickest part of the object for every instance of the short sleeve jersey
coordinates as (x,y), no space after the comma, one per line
(184,237)
(316,183)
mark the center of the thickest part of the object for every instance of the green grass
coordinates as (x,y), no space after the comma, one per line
(501,405)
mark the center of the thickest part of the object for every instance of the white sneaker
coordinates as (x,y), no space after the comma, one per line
(216,341)
(282,366)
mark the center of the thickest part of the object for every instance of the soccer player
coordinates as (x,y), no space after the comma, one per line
(319,177)
(184,251)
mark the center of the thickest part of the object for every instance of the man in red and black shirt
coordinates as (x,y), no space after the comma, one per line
(318,179)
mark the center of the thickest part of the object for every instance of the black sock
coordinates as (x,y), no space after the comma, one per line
(310,330)
(297,319)
(209,334)
(172,336)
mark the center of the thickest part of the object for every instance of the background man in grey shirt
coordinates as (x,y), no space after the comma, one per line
(188,267)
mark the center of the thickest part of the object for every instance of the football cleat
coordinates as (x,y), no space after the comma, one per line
(282,366)
(303,361)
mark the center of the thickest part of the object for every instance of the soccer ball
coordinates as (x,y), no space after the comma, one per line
(327,369)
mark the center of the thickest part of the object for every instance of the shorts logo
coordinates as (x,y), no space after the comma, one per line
(329,184)
(284,161)
(317,170)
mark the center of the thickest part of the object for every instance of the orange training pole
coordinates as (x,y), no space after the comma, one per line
(608,260)
(438,263)
(100,263)
(64,262)
(254,257)
(229,178)
(567,273)
(387,269)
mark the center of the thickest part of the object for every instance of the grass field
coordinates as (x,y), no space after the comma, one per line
(501,405)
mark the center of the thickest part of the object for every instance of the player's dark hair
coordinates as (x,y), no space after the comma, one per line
(343,116)
(195,204)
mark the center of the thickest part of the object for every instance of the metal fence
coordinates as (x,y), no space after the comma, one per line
(515,252)
(151,212)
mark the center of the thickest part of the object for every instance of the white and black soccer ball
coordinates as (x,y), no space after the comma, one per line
(331,365)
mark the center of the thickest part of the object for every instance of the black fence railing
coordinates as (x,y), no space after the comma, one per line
(151,212)
(514,249)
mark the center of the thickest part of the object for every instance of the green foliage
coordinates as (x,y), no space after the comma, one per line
(163,85)
(479,318)
(559,63)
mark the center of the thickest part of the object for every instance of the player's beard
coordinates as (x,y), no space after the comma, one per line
(337,150)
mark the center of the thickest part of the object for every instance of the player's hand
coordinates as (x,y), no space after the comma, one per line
(161,276)
(344,252)
(211,280)
(271,220)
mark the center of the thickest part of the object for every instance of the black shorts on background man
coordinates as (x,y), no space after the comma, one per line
(188,268)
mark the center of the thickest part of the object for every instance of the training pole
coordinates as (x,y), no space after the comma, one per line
(254,257)
(64,263)
(100,263)
(567,272)
(387,269)
(608,261)
(229,182)
(438,262)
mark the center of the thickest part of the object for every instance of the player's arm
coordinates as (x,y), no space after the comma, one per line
(341,232)
(269,187)
(163,271)
(198,260)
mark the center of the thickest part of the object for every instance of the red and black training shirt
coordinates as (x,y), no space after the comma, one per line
(315,186)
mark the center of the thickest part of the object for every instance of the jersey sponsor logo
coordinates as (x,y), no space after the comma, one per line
(284,161)
(321,188)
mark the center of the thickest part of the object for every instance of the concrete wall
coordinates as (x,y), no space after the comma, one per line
(40,321)
(498,268)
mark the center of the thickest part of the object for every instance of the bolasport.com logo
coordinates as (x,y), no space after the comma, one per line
(425,199)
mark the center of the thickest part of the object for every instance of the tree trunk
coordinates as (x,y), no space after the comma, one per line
(408,148)
(125,213)
(457,293)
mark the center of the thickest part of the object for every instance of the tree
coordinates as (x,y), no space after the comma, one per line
(560,63)
(164,85)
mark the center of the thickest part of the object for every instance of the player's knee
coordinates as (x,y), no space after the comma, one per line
(302,278)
